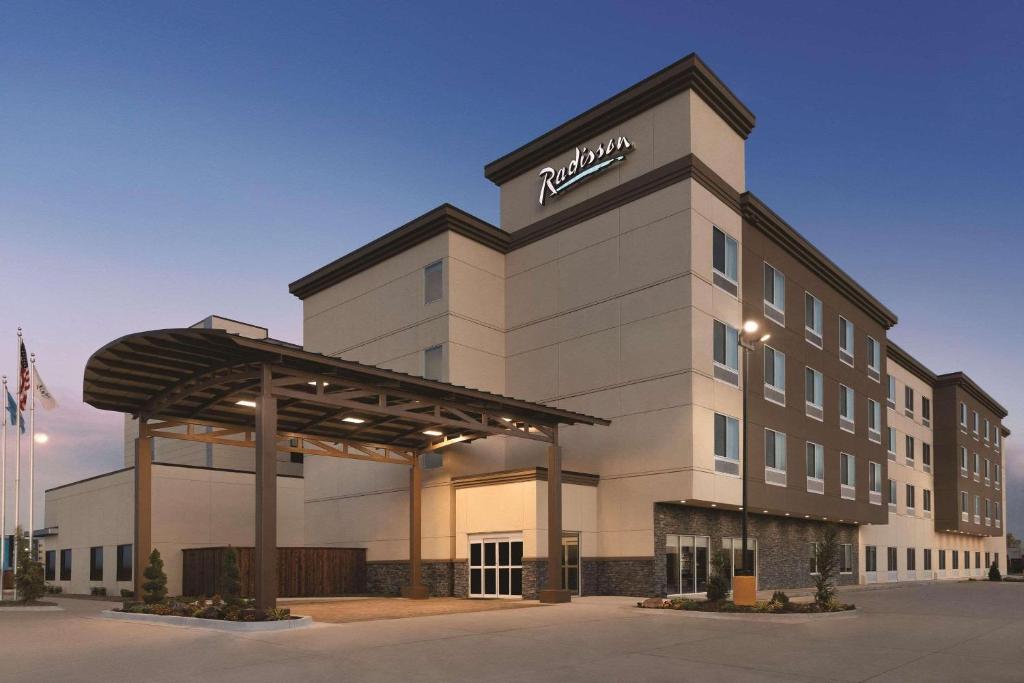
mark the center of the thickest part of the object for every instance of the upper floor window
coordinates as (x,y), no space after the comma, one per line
(977,464)
(926,410)
(975,414)
(910,447)
(988,469)
(874,358)
(726,351)
(813,323)
(724,257)
(845,340)
(727,437)
(988,429)
(775,450)
(815,461)
(891,442)
(875,418)
(963,461)
(774,375)
(911,503)
(433,282)
(814,388)
(892,493)
(774,294)
(846,400)
(926,500)
(996,478)
(908,401)
(890,392)
(432,363)
(963,415)
(875,477)
(997,437)
(847,470)
(926,454)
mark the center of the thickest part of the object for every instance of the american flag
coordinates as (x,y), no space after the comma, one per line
(24,382)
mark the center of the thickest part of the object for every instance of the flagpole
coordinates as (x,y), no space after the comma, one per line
(3,490)
(31,453)
(17,468)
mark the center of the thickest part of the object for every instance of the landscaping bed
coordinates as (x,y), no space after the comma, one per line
(238,610)
(776,605)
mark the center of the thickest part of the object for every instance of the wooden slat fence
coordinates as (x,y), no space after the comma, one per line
(301,572)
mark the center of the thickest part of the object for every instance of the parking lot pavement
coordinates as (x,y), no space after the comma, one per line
(949,631)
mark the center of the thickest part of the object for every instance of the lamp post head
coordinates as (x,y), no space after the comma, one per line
(750,326)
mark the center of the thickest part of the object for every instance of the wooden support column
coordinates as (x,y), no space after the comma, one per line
(265,555)
(415,590)
(143,538)
(553,591)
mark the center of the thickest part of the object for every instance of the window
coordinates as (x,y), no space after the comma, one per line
(815,461)
(910,448)
(987,434)
(988,470)
(927,500)
(846,399)
(963,461)
(870,558)
(927,559)
(124,562)
(774,375)
(727,444)
(50,572)
(96,563)
(997,480)
(975,414)
(65,564)
(977,559)
(774,290)
(845,340)
(874,358)
(988,560)
(814,393)
(848,475)
(726,351)
(775,450)
(998,436)
(846,558)
(891,441)
(911,559)
(926,456)
(874,477)
(963,415)
(812,319)
(433,282)
(942,560)
(988,509)
(926,410)
(998,515)
(875,420)
(967,560)
(956,559)
(977,465)
(977,508)
(812,558)
(963,505)
(892,495)
(908,401)
(890,392)
(432,363)
(891,559)
(724,257)
(910,498)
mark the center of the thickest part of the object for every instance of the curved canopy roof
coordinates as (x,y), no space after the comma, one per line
(204,376)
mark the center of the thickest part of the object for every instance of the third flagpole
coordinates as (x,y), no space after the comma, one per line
(17,463)
(31,454)
(3,490)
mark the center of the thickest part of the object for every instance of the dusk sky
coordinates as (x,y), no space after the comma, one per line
(160,162)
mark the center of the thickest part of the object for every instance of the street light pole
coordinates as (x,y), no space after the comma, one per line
(748,344)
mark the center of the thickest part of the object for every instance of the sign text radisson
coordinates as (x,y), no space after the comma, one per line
(584,166)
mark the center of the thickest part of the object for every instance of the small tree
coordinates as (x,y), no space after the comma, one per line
(154,589)
(826,556)
(29,580)
(718,582)
(993,573)
(230,580)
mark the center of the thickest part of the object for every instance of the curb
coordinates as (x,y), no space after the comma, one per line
(43,608)
(764,618)
(211,624)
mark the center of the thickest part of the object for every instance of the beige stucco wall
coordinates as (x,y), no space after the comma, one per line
(192,508)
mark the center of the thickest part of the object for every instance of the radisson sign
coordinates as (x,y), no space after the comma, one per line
(586,164)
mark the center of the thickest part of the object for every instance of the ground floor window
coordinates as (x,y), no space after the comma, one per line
(65,564)
(927,559)
(686,563)
(911,559)
(977,559)
(51,565)
(571,562)
(96,563)
(967,559)
(812,558)
(496,567)
(870,558)
(942,560)
(892,562)
(124,562)
(988,562)
(734,548)
(956,559)
(846,558)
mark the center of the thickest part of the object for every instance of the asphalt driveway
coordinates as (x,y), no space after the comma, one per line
(948,631)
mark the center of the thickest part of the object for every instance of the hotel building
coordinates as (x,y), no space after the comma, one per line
(628,256)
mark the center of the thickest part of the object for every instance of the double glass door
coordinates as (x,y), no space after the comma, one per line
(686,564)
(496,567)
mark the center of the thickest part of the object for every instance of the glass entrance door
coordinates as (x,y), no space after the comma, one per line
(686,564)
(571,563)
(496,567)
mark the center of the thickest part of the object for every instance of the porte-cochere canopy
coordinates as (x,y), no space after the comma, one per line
(212,386)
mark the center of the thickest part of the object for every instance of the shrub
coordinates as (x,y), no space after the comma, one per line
(98,590)
(781,598)
(154,590)
(718,582)
(993,573)
(127,593)
(53,590)
(826,556)
(230,580)
(278,613)
(29,580)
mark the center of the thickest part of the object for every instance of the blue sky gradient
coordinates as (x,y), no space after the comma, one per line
(163,161)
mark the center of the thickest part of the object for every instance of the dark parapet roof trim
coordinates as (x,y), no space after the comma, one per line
(899,354)
(689,73)
(435,222)
(775,228)
(961,379)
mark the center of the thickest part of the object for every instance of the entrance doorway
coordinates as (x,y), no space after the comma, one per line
(686,564)
(496,567)
(571,563)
